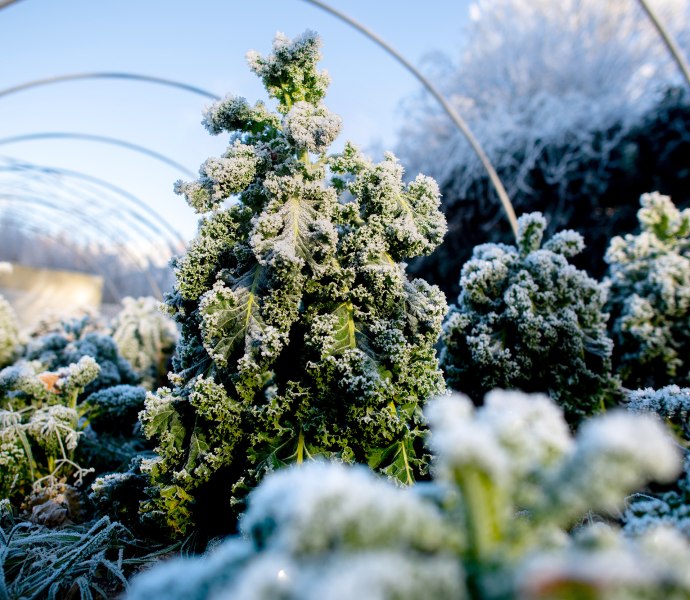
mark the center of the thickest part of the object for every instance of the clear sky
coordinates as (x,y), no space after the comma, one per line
(202,43)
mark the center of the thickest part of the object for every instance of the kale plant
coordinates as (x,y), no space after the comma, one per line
(39,428)
(301,335)
(67,341)
(509,481)
(146,338)
(649,299)
(9,334)
(671,505)
(670,403)
(112,434)
(528,319)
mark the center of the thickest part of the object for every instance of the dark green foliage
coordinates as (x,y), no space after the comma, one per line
(117,495)
(528,319)
(301,335)
(113,434)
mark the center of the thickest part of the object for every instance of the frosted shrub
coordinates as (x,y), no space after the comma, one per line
(9,334)
(649,298)
(671,505)
(112,433)
(537,74)
(39,425)
(528,319)
(65,342)
(509,481)
(146,338)
(670,403)
(301,334)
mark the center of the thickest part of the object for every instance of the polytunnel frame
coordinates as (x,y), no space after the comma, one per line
(457,120)
(173,246)
(110,233)
(17,221)
(103,139)
(125,76)
(96,225)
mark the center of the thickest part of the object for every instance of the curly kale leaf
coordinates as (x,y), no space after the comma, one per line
(527,319)
(649,296)
(301,335)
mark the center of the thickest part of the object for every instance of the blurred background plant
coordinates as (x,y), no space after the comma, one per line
(649,296)
(146,337)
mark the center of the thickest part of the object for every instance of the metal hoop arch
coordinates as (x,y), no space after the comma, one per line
(60,135)
(15,219)
(457,120)
(97,226)
(109,75)
(178,241)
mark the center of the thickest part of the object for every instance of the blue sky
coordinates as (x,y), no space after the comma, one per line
(202,43)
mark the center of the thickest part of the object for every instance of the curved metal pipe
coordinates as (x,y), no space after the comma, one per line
(179,243)
(458,121)
(60,135)
(81,200)
(15,220)
(108,75)
(6,3)
(667,38)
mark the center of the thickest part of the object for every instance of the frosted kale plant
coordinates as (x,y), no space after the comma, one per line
(670,506)
(528,319)
(146,338)
(649,299)
(9,334)
(509,481)
(66,341)
(112,434)
(301,335)
(39,429)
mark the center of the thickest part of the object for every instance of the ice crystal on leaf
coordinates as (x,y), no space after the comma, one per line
(493,524)
(301,335)
(528,319)
(649,298)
